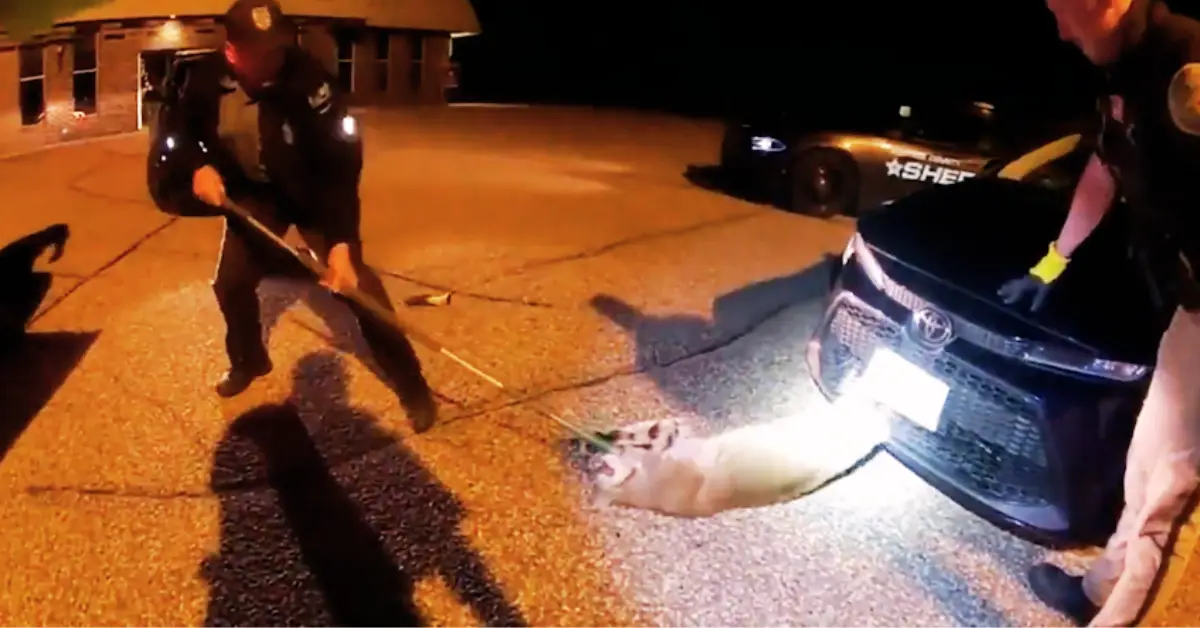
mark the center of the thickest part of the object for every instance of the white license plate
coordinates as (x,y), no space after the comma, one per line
(905,388)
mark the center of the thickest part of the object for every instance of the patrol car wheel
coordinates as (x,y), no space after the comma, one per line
(824,183)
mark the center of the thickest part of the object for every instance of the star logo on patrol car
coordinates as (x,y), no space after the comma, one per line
(894,167)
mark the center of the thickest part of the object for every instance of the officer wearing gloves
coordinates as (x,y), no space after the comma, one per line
(263,123)
(1148,153)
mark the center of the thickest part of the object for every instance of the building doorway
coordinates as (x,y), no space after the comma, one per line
(155,67)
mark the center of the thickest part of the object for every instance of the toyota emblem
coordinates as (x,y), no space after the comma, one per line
(932,328)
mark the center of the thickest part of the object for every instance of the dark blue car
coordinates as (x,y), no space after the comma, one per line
(1022,418)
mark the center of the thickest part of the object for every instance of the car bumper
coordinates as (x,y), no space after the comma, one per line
(1042,458)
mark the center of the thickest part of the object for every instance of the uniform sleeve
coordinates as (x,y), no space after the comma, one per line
(189,141)
(334,153)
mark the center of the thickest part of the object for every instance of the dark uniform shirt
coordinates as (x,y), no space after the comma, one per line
(293,141)
(1152,146)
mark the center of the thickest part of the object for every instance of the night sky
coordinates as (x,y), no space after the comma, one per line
(722,57)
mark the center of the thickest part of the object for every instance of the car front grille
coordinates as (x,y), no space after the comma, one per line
(966,330)
(988,440)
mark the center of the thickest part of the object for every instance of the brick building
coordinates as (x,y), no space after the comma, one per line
(86,77)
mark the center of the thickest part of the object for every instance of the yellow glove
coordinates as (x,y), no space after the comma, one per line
(1051,266)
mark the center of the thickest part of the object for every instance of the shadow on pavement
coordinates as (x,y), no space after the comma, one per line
(31,373)
(286,282)
(32,366)
(22,289)
(664,340)
(715,179)
(400,368)
(364,535)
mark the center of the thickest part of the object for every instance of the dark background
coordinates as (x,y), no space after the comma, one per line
(731,57)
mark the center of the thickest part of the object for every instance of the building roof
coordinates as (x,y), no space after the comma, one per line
(453,16)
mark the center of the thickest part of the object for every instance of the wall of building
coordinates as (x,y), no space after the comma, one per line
(117,77)
(412,78)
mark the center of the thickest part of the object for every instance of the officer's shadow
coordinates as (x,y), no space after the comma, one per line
(303,546)
(288,284)
(281,293)
(662,341)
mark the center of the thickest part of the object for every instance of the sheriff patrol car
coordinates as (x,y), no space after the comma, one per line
(829,172)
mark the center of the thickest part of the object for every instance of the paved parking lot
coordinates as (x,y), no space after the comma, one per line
(131,495)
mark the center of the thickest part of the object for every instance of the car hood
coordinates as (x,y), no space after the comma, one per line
(956,245)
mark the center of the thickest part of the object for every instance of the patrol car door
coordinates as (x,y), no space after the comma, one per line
(912,167)
(891,168)
(938,149)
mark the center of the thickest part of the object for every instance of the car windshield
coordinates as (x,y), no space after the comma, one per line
(969,126)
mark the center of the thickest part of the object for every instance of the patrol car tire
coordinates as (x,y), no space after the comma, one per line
(824,183)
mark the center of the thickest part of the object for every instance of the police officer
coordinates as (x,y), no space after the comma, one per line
(1148,153)
(262,123)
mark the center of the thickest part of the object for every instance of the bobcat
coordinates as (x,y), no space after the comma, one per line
(666,467)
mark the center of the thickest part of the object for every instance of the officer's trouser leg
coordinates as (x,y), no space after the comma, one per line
(240,268)
(1161,479)
(391,351)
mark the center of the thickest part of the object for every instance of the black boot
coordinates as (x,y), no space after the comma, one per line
(238,378)
(422,412)
(1062,592)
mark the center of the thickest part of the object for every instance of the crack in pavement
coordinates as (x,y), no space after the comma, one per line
(619,244)
(74,186)
(332,342)
(714,347)
(105,162)
(598,251)
(465,293)
(141,492)
(514,400)
(162,406)
(126,492)
(104,267)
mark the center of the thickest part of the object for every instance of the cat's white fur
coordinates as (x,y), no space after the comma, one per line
(675,471)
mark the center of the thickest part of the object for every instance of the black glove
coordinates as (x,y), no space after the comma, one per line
(1037,282)
(1016,290)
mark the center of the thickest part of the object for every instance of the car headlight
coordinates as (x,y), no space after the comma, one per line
(767,144)
(1082,363)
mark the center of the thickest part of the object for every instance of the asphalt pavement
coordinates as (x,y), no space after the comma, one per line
(588,275)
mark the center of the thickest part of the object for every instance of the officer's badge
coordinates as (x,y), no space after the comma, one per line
(321,97)
(1183,99)
(261,17)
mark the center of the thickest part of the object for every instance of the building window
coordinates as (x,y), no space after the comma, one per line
(84,73)
(418,59)
(345,59)
(383,54)
(33,83)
